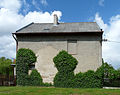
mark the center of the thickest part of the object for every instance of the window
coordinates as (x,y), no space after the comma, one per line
(72,46)
(32,66)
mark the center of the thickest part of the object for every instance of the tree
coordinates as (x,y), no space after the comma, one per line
(5,65)
(106,71)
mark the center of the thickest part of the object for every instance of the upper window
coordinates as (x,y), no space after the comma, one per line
(72,46)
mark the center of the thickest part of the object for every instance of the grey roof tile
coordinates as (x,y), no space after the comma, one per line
(61,27)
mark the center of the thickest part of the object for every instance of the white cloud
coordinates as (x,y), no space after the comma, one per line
(40,17)
(10,21)
(7,46)
(13,5)
(101,2)
(111,51)
(100,22)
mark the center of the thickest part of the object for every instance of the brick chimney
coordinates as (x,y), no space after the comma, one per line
(55,19)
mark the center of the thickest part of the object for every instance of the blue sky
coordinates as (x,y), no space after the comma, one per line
(77,10)
(82,10)
(15,14)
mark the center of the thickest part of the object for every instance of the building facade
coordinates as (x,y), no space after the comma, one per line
(83,40)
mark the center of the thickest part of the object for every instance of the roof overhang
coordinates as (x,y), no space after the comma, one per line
(41,33)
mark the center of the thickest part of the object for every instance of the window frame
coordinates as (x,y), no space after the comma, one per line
(72,41)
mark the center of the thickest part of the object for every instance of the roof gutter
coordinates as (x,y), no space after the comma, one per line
(13,34)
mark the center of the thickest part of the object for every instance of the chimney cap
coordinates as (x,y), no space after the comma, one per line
(55,14)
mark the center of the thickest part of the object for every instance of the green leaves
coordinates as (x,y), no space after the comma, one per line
(107,71)
(25,57)
(26,54)
(87,80)
(5,64)
(65,77)
(35,78)
(65,64)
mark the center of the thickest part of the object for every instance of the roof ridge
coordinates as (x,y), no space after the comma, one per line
(65,22)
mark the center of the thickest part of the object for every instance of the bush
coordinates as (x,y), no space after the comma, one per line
(21,71)
(47,84)
(24,58)
(87,80)
(64,80)
(35,78)
(107,71)
(27,55)
(112,83)
(65,64)
(23,80)
(108,75)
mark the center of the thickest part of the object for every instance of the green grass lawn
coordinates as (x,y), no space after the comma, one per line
(56,91)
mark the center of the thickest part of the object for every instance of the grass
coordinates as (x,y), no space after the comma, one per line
(56,91)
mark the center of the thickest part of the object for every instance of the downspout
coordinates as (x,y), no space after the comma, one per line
(16,41)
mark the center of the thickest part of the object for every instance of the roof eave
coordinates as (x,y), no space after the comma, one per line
(58,32)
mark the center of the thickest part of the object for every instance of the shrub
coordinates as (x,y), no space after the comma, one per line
(104,71)
(108,75)
(35,78)
(112,83)
(87,80)
(23,80)
(21,71)
(64,79)
(107,71)
(47,84)
(24,58)
(27,55)
(65,64)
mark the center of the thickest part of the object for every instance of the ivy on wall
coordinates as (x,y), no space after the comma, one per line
(65,64)
(25,57)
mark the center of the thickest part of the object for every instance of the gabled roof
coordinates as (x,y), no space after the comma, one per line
(60,28)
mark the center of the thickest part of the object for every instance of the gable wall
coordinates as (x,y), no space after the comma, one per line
(88,52)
